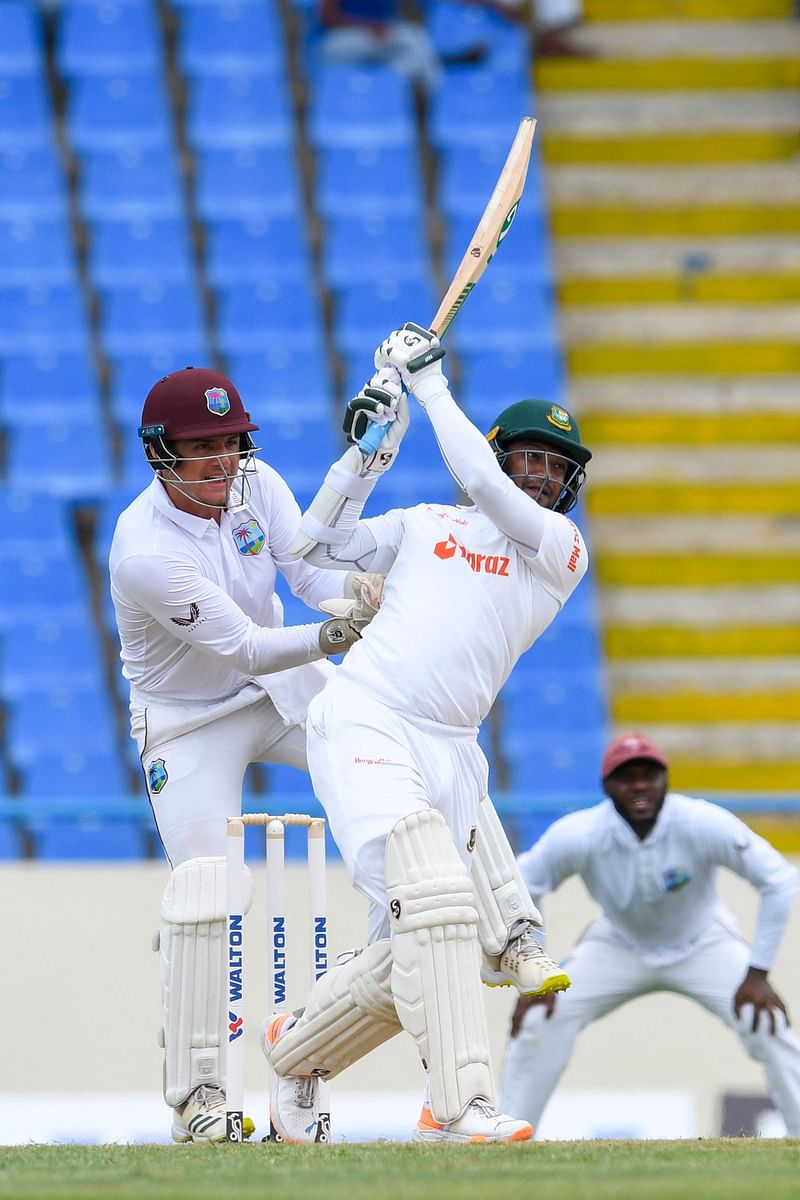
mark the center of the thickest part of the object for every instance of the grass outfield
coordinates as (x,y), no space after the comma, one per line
(736,1169)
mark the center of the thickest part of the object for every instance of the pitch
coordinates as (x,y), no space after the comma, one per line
(734,1169)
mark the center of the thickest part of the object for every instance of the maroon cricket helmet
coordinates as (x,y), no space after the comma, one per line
(626,748)
(193,403)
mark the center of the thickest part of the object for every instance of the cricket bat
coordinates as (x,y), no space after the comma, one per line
(492,228)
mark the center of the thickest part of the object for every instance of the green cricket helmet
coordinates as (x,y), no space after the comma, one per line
(541,421)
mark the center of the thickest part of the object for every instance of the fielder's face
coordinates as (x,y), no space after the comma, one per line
(537,468)
(637,789)
(206,468)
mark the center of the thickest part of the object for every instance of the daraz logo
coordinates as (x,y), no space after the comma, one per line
(489,564)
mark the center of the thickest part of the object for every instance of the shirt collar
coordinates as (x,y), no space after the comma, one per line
(198,527)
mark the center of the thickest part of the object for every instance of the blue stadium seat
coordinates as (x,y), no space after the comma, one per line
(555,761)
(118,113)
(251,317)
(43,319)
(245,110)
(90,840)
(274,380)
(477,106)
(134,373)
(245,251)
(76,773)
(21,43)
(505,314)
(375,247)
(570,700)
(37,253)
(59,718)
(109,39)
(27,511)
(71,459)
(152,317)
(32,184)
(360,106)
(52,385)
(524,255)
(130,183)
(26,118)
(468,174)
(366,313)
(456,28)
(10,844)
(358,181)
(302,448)
(231,39)
(49,650)
(247,182)
(112,504)
(134,472)
(489,383)
(145,250)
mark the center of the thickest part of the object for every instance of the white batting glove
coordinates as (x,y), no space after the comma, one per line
(417,355)
(377,419)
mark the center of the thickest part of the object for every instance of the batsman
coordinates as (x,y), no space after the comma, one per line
(392,739)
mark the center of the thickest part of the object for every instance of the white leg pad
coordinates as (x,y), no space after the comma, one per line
(436,968)
(350,1011)
(500,893)
(192,946)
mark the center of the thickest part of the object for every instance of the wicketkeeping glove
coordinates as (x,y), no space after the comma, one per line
(337,635)
(417,354)
(368,590)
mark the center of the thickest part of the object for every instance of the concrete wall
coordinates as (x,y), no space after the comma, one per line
(79,1006)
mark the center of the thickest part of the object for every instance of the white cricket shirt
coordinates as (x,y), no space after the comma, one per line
(195,601)
(659,895)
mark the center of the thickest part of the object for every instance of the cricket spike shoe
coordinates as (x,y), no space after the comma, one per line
(293,1099)
(524,965)
(480,1122)
(201,1117)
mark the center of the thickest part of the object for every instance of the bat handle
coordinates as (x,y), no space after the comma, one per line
(425,359)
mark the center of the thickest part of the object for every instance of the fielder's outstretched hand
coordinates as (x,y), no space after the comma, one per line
(416,353)
(756,989)
(548,1002)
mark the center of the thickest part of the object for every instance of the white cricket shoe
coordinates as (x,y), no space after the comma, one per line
(524,965)
(293,1099)
(201,1117)
(480,1122)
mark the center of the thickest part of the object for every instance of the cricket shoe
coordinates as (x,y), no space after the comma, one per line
(201,1117)
(525,965)
(480,1122)
(293,1099)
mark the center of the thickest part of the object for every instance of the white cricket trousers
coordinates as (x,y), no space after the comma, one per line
(605,974)
(371,767)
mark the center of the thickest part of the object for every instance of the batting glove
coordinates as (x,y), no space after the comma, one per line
(377,419)
(417,355)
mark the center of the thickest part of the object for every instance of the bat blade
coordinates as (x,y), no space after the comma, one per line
(492,228)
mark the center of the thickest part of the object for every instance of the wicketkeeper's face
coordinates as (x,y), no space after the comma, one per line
(207,468)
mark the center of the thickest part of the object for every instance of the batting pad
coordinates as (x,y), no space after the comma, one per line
(192,945)
(436,961)
(500,893)
(350,1011)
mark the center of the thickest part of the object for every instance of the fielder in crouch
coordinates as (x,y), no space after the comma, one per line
(649,858)
(392,739)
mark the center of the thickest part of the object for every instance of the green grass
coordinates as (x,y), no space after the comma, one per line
(736,1169)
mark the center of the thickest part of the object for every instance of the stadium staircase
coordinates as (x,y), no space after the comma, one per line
(675,201)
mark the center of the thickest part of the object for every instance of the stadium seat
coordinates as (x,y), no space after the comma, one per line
(504,314)
(27,510)
(360,106)
(366,313)
(478,106)
(36,253)
(245,252)
(280,379)
(146,250)
(243,110)
(53,386)
(231,39)
(49,319)
(457,28)
(274,313)
(571,699)
(59,718)
(151,318)
(89,840)
(362,181)
(246,182)
(553,761)
(375,247)
(130,184)
(26,119)
(489,383)
(303,448)
(524,255)
(69,459)
(134,472)
(98,774)
(134,373)
(10,844)
(50,649)
(468,174)
(22,43)
(32,184)
(118,113)
(109,39)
